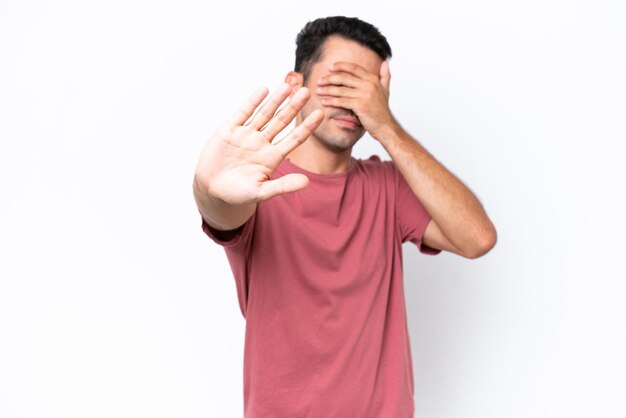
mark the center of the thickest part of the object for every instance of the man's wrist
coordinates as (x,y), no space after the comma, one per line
(203,189)
(389,133)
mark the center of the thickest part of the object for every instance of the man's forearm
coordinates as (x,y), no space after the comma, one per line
(453,207)
(217,213)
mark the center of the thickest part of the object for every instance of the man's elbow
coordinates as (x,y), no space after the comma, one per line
(483,244)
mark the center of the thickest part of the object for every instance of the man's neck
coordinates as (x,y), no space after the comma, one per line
(316,158)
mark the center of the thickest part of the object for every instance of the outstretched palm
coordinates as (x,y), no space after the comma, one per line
(237,163)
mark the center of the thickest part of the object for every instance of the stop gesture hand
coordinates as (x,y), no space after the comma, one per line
(237,163)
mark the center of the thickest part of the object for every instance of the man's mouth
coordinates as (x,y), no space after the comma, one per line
(347,122)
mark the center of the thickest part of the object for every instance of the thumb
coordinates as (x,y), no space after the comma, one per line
(285,184)
(385,75)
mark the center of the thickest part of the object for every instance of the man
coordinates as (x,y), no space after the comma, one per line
(313,235)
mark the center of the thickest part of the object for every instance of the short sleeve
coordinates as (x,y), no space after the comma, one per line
(237,245)
(234,238)
(411,215)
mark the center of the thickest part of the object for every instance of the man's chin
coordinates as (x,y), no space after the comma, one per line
(341,146)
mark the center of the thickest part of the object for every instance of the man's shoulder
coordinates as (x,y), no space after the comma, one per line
(375,170)
(372,159)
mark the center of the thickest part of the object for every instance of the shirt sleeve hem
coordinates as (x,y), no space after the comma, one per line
(228,238)
(423,248)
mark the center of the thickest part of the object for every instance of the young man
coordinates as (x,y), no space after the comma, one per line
(314,236)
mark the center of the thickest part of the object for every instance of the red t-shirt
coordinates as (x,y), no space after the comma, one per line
(319,282)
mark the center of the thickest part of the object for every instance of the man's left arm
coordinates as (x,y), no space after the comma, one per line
(459,223)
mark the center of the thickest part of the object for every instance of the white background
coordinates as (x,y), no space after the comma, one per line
(113,303)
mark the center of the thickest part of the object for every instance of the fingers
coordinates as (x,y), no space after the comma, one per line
(247,109)
(352,68)
(345,102)
(300,133)
(286,184)
(287,113)
(337,91)
(340,79)
(267,111)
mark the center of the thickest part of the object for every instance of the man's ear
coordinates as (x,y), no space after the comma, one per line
(295,80)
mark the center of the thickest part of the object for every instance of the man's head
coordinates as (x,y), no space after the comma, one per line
(310,40)
(327,40)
